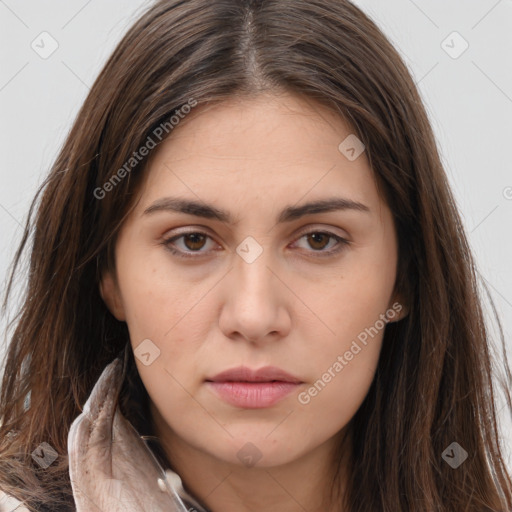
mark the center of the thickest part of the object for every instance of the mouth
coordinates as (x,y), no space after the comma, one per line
(253,389)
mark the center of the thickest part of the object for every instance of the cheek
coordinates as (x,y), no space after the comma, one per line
(158,302)
(344,360)
(167,317)
(366,287)
(342,376)
(356,301)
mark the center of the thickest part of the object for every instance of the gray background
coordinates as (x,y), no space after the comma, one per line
(469,100)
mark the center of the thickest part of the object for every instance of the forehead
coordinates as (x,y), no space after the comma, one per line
(275,147)
(291,127)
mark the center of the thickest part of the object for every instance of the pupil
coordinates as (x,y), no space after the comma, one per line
(320,235)
(195,237)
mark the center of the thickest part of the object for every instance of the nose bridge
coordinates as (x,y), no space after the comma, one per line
(252,266)
(253,307)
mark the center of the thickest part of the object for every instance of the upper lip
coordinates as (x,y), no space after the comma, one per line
(245,374)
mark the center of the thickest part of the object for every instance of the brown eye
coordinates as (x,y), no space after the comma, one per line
(194,241)
(318,241)
(189,245)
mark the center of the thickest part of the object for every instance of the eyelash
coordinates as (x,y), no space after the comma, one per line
(342,243)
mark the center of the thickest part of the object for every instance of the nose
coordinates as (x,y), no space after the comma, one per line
(256,301)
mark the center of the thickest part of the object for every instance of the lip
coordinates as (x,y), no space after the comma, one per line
(253,389)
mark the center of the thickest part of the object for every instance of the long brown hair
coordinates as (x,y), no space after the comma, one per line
(434,382)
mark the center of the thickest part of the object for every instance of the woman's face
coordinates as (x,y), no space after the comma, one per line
(230,260)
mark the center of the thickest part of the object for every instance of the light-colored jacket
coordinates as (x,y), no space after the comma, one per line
(111,467)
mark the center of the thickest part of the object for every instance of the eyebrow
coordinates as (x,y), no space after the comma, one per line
(290,213)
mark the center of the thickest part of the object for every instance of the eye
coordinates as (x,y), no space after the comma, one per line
(186,244)
(319,240)
(191,242)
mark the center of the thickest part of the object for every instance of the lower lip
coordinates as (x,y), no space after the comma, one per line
(253,395)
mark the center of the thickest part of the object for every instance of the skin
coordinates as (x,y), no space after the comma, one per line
(291,307)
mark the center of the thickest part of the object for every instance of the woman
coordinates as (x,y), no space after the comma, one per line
(249,286)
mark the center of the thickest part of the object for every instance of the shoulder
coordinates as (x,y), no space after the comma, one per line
(10,504)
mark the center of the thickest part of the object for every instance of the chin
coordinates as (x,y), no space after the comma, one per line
(256,448)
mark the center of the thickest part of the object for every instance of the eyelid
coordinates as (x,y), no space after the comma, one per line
(322,229)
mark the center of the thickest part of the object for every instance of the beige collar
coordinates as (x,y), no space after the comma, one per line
(110,465)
